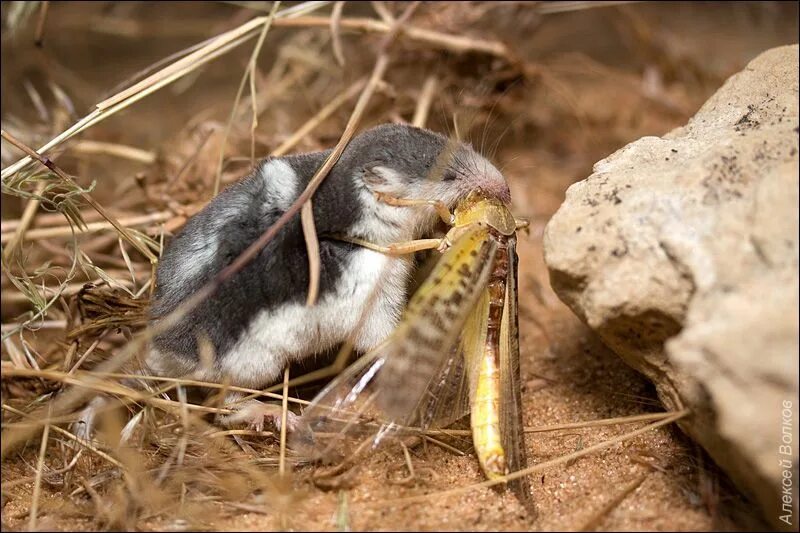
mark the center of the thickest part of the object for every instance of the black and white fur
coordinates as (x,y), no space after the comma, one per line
(258,321)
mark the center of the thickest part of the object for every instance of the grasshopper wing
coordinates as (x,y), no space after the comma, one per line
(400,384)
(511,423)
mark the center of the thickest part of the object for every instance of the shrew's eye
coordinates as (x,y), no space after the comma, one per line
(449,175)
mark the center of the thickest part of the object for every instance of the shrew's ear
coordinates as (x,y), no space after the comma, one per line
(385,180)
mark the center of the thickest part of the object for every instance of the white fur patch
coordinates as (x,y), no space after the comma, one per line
(293,332)
(201,250)
(281,180)
(382,223)
(393,181)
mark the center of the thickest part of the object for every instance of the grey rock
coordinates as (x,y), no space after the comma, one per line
(681,252)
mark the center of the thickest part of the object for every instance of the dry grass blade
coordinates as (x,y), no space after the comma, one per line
(336,39)
(40,297)
(452,43)
(18,15)
(382,11)
(215,45)
(329,109)
(91,227)
(108,107)
(37,484)
(596,519)
(536,468)
(84,377)
(71,436)
(88,198)
(249,73)
(424,102)
(113,149)
(284,422)
(29,294)
(16,238)
(312,246)
(598,423)
(549,8)
(38,36)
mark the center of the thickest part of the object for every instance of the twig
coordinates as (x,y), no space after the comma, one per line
(453,43)
(382,11)
(248,508)
(38,36)
(116,150)
(312,246)
(329,109)
(86,196)
(232,39)
(50,219)
(86,354)
(596,518)
(437,442)
(37,483)
(246,29)
(284,421)
(184,412)
(595,423)
(548,8)
(45,324)
(409,465)
(128,394)
(91,227)
(336,38)
(83,379)
(556,427)
(25,221)
(66,290)
(246,432)
(254,112)
(424,102)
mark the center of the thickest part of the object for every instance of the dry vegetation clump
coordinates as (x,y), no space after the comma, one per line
(146,113)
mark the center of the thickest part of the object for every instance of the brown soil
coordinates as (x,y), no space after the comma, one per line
(558,124)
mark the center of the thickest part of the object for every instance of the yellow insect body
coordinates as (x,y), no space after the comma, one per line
(485,418)
(454,351)
(482,337)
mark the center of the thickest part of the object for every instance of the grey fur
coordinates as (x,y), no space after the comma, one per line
(396,159)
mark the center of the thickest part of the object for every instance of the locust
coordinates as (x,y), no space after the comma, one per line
(455,350)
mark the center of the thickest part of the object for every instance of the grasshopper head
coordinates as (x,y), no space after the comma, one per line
(480,208)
